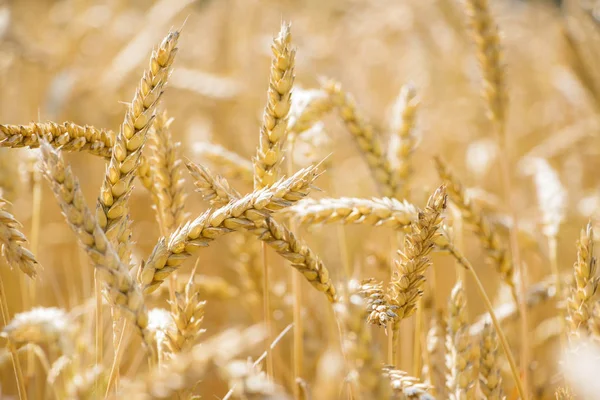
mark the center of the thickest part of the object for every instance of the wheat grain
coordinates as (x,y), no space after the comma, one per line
(490,379)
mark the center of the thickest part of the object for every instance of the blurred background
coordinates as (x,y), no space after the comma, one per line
(80,61)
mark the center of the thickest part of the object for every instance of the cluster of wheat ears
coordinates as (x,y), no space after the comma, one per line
(393,335)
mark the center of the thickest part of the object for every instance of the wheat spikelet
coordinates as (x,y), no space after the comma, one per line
(458,344)
(214,189)
(478,221)
(112,210)
(584,287)
(408,280)
(12,240)
(275,117)
(360,351)
(490,379)
(487,40)
(436,350)
(233,165)
(379,311)
(241,214)
(385,212)
(405,386)
(167,174)
(121,289)
(403,141)
(367,141)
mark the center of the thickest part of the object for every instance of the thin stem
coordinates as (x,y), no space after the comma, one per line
(417,365)
(515,252)
(552,254)
(15,358)
(488,304)
(114,369)
(267,311)
(99,325)
(391,345)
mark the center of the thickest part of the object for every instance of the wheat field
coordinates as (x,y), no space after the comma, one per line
(342,199)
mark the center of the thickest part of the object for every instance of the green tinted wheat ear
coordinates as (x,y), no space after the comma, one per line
(112,211)
(478,221)
(459,384)
(363,133)
(275,117)
(13,240)
(167,173)
(489,367)
(487,39)
(585,285)
(404,140)
(122,291)
(241,214)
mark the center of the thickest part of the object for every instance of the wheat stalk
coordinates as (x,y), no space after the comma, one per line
(385,212)
(112,211)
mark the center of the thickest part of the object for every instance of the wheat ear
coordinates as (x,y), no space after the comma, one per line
(69,136)
(13,240)
(385,212)
(237,215)
(112,209)
(367,140)
(405,386)
(585,284)
(316,107)
(482,227)
(214,189)
(490,379)
(458,344)
(275,117)
(167,173)
(404,140)
(121,289)
(271,232)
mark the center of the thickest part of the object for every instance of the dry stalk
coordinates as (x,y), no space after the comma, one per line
(112,210)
